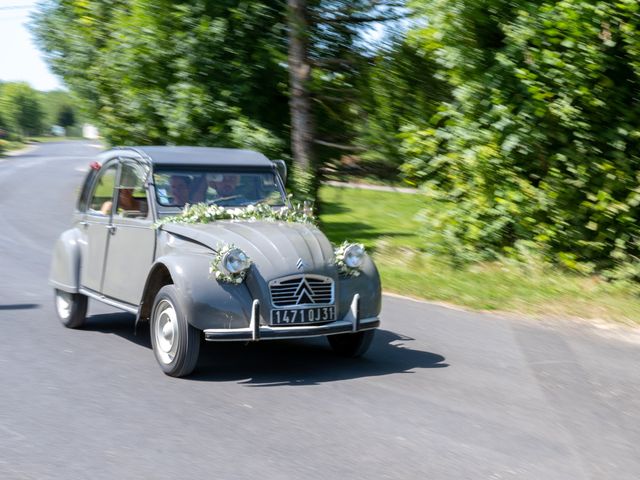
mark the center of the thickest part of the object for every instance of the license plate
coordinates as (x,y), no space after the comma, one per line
(291,316)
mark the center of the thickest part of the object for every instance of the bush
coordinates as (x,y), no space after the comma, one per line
(541,141)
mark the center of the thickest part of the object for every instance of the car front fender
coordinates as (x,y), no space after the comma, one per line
(206,302)
(65,264)
(367,285)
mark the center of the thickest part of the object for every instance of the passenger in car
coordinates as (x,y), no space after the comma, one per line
(180,189)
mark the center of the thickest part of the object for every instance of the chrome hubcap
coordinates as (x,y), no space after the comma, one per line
(166,331)
(63,304)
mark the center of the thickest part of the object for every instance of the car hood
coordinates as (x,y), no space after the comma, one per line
(276,248)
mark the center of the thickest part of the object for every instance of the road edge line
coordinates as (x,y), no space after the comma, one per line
(449,306)
(17,153)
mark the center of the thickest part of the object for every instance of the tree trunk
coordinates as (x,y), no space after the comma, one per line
(302,125)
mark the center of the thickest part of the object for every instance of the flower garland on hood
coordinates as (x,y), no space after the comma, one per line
(203,213)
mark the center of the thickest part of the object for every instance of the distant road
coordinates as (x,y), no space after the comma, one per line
(442,394)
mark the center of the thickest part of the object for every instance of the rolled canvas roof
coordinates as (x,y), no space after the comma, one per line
(163,155)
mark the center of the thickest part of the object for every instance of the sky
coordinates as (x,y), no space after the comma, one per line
(20,60)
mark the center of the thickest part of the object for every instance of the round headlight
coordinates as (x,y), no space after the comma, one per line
(235,261)
(354,256)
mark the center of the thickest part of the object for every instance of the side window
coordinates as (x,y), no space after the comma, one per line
(132,196)
(103,192)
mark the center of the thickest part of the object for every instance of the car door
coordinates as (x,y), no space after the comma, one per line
(94,228)
(132,237)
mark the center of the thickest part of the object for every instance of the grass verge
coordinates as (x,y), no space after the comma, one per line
(50,139)
(7,146)
(371,217)
(385,223)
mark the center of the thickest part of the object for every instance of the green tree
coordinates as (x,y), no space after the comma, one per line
(399,95)
(3,122)
(208,72)
(20,105)
(54,102)
(326,59)
(160,72)
(540,143)
(66,116)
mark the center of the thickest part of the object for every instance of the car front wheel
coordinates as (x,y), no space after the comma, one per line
(176,343)
(351,344)
(71,308)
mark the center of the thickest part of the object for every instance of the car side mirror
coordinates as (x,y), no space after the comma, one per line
(281,166)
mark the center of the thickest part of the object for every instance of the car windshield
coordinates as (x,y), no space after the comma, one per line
(177,187)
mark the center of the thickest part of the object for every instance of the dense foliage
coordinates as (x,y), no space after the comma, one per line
(519,117)
(157,71)
(20,109)
(400,90)
(539,145)
(26,112)
(213,72)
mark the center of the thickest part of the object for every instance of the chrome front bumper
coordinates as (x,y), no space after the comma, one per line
(351,323)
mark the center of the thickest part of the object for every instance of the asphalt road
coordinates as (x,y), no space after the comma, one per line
(442,394)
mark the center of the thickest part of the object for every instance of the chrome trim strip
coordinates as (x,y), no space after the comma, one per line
(255,321)
(355,312)
(280,333)
(109,301)
(298,275)
(126,225)
(304,306)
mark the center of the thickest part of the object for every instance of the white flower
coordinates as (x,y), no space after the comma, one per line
(202,213)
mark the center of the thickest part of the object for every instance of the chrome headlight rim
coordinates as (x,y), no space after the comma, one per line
(354,255)
(235,261)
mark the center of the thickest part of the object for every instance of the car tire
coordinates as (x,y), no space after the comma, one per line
(175,342)
(351,344)
(71,308)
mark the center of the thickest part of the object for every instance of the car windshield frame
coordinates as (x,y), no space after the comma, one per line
(179,170)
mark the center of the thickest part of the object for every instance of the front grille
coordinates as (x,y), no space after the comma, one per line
(301,290)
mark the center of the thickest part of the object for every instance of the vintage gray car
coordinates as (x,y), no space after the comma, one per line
(248,272)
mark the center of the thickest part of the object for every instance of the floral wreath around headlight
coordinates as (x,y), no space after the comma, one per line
(220,272)
(341,253)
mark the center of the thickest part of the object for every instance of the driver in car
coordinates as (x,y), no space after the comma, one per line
(225,186)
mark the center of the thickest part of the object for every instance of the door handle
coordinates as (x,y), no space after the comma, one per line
(83,224)
(112,229)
